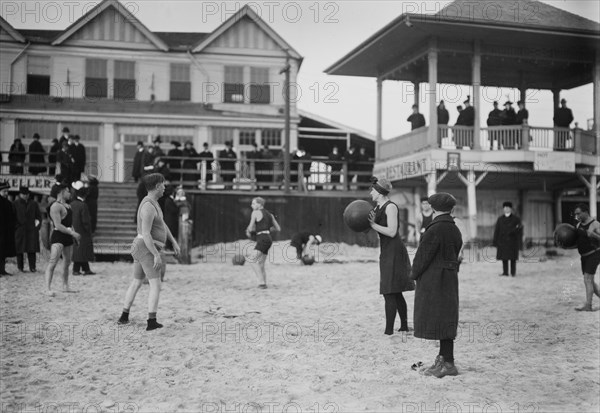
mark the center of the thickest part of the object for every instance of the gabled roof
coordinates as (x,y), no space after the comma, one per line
(522,12)
(181,41)
(127,16)
(11,31)
(246,11)
(335,125)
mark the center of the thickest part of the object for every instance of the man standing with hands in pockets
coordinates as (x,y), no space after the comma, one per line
(151,238)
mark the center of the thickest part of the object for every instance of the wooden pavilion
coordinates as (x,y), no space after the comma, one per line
(493,44)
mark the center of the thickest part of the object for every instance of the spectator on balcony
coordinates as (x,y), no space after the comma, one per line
(66,162)
(227,159)
(175,163)
(138,159)
(78,153)
(65,136)
(266,168)
(37,154)
(252,157)
(336,158)
(523,114)
(468,113)
(207,155)
(91,200)
(302,157)
(364,165)
(443,117)
(494,119)
(148,161)
(157,149)
(16,157)
(563,116)
(460,121)
(162,168)
(509,116)
(54,150)
(416,119)
(351,157)
(191,163)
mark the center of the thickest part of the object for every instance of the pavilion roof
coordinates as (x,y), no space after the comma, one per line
(534,45)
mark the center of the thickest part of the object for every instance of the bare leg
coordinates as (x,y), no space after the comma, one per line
(595,286)
(257,262)
(67,253)
(154,294)
(55,252)
(131,292)
(588,280)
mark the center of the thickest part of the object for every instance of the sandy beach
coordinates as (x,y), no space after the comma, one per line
(312,342)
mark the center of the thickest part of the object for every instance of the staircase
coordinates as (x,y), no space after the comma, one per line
(116,210)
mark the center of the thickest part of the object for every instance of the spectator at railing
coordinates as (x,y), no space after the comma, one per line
(158,152)
(79,158)
(54,149)
(190,152)
(66,162)
(227,159)
(148,161)
(207,156)
(302,157)
(91,200)
(416,119)
(16,157)
(336,158)
(508,116)
(460,121)
(364,166)
(563,116)
(351,157)
(253,156)
(265,169)
(37,154)
(443,117)
(83,251)
(64,137)
(523,114)
(468,113)
(494,119)
(175,163)
(27,236)
(7,228)
(162,168)
(138,160)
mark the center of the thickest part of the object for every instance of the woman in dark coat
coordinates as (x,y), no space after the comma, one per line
(37,154)
(54,149)
(67,164)
(507,239)
(435,269)
(16,157)
(394,264)
(83,252)
(27,235)
(7,228)
(190,152)
(91,201)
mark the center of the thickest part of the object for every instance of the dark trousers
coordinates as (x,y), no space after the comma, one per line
(81,265)
(447,350)
(513,267)
(395,303)
(21,260)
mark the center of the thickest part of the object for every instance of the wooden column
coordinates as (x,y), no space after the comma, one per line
(431,179)
(555,99)
(379,117)
(432,59)
(597,102)
(476,78)
(593,196)
(417,89)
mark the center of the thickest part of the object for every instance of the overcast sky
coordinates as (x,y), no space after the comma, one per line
(322,32)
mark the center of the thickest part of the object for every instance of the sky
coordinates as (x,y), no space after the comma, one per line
(322,32)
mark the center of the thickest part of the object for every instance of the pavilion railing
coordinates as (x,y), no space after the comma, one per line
(413,141)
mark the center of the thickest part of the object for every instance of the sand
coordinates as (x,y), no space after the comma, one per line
(312,342)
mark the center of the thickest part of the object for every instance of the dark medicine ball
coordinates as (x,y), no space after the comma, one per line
(565,236)
(308,260)
(356,215)
(238,259)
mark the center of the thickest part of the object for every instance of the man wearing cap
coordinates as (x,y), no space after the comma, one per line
(175,152)
(523,114)
(138,159)
(468,113)
(207,156)
(27,233)
(416,119)
(303,242)
(435,269)
(65,136)
(227,159)
(190,152)
(158,152)
(37,154)
(563,116)
(507,239)
(7,228)
(508,116)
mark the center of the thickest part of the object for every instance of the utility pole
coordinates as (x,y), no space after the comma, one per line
(286,139)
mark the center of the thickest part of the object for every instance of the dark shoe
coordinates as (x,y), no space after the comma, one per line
(89,273)
(436,367)
(584,307)
(153,324)
(75,273)
(263,286)
(32,270)
(447,369)
(405,329)
(124,319)
(513,275)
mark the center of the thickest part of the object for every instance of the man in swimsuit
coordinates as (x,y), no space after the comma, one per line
(61,241)
(145,250)
(303,242)
(262,222)
(424,218)
(588,245)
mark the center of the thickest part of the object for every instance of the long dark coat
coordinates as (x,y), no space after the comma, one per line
(507,237)
(435,268)
(91,201)
(136,172)
(79,159)
(37,154)
(27,235)
(84,251)
(16,157)
(7,228)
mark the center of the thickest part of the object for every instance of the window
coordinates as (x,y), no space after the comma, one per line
(271,137)
(124,80)
(96,81)
(234,84)
(181,86)
(220,135)
(38,75)
(260,91)
(247,136)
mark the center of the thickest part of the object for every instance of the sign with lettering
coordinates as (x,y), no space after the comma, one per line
(407,169)
(39,184)
(554,161)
